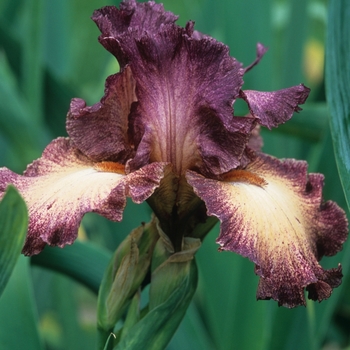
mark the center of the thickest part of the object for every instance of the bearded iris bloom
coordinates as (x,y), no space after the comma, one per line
(165,132)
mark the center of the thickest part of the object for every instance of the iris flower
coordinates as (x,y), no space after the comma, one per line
(165,132)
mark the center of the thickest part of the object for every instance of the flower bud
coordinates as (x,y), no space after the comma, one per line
(125,273)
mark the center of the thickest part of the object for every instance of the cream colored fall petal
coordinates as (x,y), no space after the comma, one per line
(63,185)
(273,214)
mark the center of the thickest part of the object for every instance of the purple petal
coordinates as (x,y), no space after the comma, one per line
(186,84)
(274,108)
(101,131)
(63,185)
(260,52)
(255,141)
(121,27)
(272,213)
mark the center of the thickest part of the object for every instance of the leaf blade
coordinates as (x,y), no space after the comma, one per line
(19,327)
(13,228)
(338,86)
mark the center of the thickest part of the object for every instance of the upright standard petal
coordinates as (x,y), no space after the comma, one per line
(272,212)
(186,84)
(276,107)
(101,131)
(129,23)
(64,184)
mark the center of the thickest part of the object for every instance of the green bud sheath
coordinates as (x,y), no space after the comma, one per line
(173,284)
(124,275)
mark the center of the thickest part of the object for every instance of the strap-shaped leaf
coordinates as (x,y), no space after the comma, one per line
(13,228)
(82,261)
(19,318)
(338,85)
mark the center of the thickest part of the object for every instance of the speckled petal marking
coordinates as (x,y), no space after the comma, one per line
(186,84)
(276,107)
(274,215)
(101,131)
(63,185)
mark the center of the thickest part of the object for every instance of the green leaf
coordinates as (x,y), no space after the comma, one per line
(338,85)
(226,296)
(13,228)
(192,332)
(82,261)
(15,125)
(32,44)
(17,309)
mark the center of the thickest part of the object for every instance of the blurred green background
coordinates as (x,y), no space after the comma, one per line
(49,53)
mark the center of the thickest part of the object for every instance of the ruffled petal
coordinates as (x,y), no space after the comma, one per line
(128,23)
(272,212)
(186,84)
(101,131)
(274,108)
(63,185)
